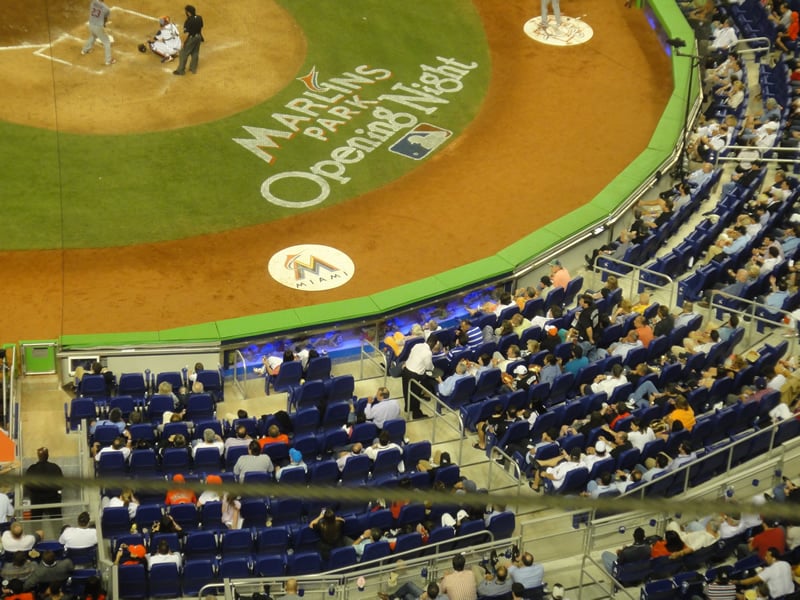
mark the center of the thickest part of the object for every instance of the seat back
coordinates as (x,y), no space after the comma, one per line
(318,367)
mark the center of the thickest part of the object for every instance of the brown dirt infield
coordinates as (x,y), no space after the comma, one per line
(51,85)
(557,125)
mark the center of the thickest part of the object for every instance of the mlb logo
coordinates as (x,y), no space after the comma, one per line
(420,141)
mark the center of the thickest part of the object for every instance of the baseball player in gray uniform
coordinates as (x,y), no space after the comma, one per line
(98,16)
(556,12)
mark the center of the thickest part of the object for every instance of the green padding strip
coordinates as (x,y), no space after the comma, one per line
(109,339)
(570,224)
(531,245)
(408,294)
(251,325)
(205,332)
(337,312)
(670,125)
(493,267)
(32,343)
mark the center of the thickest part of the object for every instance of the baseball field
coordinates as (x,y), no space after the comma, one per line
(414,137)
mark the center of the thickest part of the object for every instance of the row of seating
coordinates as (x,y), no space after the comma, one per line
(141,385)
(636,573)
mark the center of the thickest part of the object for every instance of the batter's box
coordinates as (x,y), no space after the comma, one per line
(131,27)
(421,141)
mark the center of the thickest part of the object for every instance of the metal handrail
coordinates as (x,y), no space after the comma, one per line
(670,288)
(747,315)
(441,410)
(507,460)
(365,356)
(729,449)
(240,385)
(344,578)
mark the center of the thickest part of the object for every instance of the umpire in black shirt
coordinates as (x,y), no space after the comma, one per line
(193,28)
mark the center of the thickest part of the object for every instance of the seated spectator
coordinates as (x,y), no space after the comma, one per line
(643,330)
(114,418)
(240,438)
(447,386)
(355,450)
(382,408)
(671,545)
(120,444)
(558,472)
(210,440)
(271,365)
(164,555)
(252,462)
(615,250)
(274,436)
(551,369)
(166,524)
(383,444)
(607,383)
(330,529)
(20,567)
(638,551)
(125,498)
(682,412)
(459,584)
(180,495)
(777,575)
(640,434)
(630,341)
(15,538)
(684,457)
(131,554)
(525,571)
(368,537)
(82,536)
(49,571)
(295,463)
(495,584)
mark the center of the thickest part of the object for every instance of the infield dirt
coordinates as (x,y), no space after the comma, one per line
(556,127)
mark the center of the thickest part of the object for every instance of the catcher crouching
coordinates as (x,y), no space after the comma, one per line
(166,43)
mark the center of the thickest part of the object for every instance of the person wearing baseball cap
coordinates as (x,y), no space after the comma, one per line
(558,274)
(295,463)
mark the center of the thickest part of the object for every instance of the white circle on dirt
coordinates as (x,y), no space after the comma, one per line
(571,32)
(311,267)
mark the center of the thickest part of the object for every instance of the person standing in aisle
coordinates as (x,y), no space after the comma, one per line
(193,28)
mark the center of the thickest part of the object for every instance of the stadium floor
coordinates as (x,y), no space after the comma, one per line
(556,126)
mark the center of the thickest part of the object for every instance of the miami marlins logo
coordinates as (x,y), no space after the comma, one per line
(313,266)
(311,80)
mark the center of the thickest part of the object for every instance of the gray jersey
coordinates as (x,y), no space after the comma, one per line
(98,13)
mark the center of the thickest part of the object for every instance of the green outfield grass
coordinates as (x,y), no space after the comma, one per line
(75,191)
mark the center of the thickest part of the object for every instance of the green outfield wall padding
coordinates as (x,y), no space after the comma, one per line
(407,295)
(265,323)
(495,267)
(337,312)
(205,332)
(485,269)
(531,245)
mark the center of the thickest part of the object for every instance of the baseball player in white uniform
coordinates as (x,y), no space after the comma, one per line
(98,16)
(167,42)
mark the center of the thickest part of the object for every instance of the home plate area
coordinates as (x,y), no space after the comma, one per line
(126,29)
(571,32)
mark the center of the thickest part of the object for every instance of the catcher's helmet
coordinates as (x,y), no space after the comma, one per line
(142,48)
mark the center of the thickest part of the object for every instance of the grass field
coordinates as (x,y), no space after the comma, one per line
(79,191)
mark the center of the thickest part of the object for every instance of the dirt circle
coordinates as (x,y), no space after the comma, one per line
(253,49)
